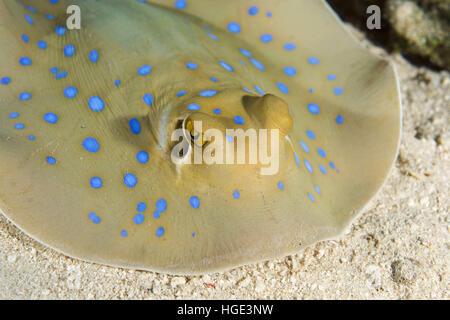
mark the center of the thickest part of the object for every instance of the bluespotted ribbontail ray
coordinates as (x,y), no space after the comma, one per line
(86,117)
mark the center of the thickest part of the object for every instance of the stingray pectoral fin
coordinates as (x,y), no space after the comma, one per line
(61,117)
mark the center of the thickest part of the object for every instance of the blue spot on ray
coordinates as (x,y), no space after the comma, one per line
(60,30)
(32,9)
(311,134)
(236,194)
(161,205)
(141,207)
(253,10)
(130,180)
(290,46)
(25,96)
(283,88)
(180,4)
(70,92)
(139,219)
(193,107)
(246,52)
(51,161)
(234,27)
(239,120)
(96,182)
(148,99)
(191,65)
(322,153)
(212,36)
(69,50)
(94,218)
(290,71)
(144,70)
(91,145)
(304,146)
(297,160)
(313,60)
(25,61)
(226,66)
(313,108)
(259,90)
(266,38)
(338,91)
(135,126)
(5,80)
(194,202)
(61,75)
(28,18)
(93,56)
(308,166)
(142,157)
(208,93)
(317,189)
(96,104)
(258,64)
(339,119)
(42,44)
(51,118)
(160,232)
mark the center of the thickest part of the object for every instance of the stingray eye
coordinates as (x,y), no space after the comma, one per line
(196,137)
(191,136)
(196,127)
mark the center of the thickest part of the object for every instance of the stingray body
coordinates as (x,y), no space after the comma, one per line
(86,118)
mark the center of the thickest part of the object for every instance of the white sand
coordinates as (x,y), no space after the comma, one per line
(398,248)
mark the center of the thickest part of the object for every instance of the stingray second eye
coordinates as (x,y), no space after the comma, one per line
(197,137)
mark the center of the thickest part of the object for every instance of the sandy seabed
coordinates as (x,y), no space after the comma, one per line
(397,249)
